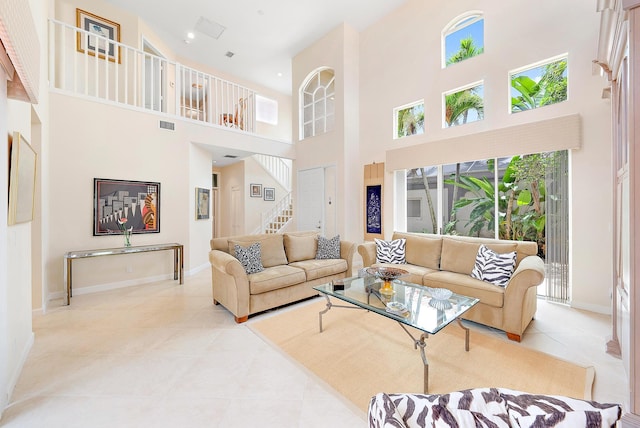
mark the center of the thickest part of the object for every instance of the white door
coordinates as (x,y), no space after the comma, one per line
(235,211)
(330,227)
(310,206)
(154,78)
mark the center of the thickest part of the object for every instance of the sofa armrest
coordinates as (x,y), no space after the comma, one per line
(368,252)
(518,308)
(347,250)
(230,283)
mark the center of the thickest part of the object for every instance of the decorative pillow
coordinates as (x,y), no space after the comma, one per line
(328,248)
(494,267)
(249,257)
(391,251)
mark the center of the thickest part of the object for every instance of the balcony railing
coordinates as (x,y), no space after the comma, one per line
(125,75)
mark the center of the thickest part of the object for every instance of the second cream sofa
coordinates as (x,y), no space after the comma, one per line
(443,261)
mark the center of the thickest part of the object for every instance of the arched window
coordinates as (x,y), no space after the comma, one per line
(463,38)
(317,103)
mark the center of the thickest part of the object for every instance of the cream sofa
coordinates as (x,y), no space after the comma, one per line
(290,271)
(444,261)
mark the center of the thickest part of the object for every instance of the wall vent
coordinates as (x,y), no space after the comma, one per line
(167,125)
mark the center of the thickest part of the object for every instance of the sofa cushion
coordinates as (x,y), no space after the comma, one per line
(494,267)
(422,249)
(390,251)
(249,257)
(272,248)
(315,269)
(460,256)
(328,248)
(274,278)
(416,273)
(300,247)
(488,293)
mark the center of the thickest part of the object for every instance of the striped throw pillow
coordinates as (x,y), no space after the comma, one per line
(391,251)
(494,267)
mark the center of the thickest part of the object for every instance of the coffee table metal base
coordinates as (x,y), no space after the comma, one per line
(417,343)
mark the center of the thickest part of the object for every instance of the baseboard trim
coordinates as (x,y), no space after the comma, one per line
(13,381)
(111,286)
(599,309)
(630,420)
(197,269)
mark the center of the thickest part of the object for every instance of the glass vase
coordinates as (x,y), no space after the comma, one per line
(127,238)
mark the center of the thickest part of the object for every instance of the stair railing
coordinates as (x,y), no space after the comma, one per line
(278,169)
(270,216)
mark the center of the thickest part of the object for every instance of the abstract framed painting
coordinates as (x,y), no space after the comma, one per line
(374,209)
(136,201)
(202,203)
(96,37)
(22,180)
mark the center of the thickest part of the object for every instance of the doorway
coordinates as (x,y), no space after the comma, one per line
(316,207)
(154,83)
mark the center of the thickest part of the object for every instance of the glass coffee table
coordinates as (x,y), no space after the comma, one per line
(408,304)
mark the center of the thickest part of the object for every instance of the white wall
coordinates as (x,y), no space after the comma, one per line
(200,231)
(400,62)
(254,207)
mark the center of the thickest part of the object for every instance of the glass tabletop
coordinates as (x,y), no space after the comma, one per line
(408,303)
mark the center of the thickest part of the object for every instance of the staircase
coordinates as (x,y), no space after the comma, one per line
(281,214)
(279,221)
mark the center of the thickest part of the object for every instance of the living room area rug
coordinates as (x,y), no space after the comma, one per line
(360,353)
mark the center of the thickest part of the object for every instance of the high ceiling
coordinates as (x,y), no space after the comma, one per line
(264,35)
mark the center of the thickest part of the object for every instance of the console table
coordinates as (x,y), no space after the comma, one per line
(178,259)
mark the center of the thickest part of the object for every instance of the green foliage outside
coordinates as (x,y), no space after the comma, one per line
(550,89)
(411,121)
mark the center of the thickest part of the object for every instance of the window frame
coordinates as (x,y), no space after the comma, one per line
(396,110)
(531,66)
(328,91)
(454,91)
(457,24)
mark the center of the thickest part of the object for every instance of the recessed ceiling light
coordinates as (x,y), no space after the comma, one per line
(190,35)
(279,74)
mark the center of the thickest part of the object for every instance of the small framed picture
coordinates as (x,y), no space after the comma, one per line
(98,35)
(202,203)
(255,190)
(269,194)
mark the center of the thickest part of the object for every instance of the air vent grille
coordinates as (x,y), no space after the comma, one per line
(167,125)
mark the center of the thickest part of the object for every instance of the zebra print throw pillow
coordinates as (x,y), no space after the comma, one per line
(328,248)
(250,257)
(391,251)
(494,267)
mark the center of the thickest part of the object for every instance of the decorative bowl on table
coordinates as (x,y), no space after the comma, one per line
(440,298)
(386,274)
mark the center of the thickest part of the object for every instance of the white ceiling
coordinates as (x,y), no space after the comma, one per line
(264,34)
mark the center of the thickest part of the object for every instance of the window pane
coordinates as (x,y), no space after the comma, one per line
(330,104)
(308,114)
(308,130)
(312,85)
(325,77)
(308,98)
(319,108)
(471,190)
(410,120)
(422,187)
(539,86)
(465,40)
(319,126)
(413,208)
(266,110)
(465,106)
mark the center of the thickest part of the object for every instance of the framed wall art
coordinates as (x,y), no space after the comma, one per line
(269,194)
(136,201)
(202,203)
(373,204)
(96,38)
(255,190)
(22,180)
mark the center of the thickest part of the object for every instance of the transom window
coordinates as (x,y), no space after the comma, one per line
(463,39)
(539,85)
(408,119)
(317,103)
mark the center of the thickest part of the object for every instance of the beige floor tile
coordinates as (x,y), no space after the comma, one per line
(162,355)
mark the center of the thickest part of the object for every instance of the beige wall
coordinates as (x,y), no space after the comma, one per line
(200,231)
(400,63)
(339,51)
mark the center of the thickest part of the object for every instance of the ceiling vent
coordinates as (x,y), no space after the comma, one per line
(230,156)
(229,54)
(210,28)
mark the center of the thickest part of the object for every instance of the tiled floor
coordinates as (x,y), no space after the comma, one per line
(161,355)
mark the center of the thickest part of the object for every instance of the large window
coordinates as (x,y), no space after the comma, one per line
(520,198)
(317,103)
(538,86)
(463,39)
